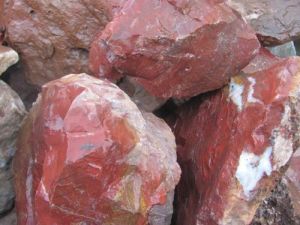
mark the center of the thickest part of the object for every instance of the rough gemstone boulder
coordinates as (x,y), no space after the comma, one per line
(87,155)
(53,37)
(275,21)
(12,112)
(234,144)
(174,48)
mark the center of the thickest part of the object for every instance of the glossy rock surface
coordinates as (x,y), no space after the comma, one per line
(12,112)
(87,155)
(275,21)
(53,37)
(174,48)
(234,143)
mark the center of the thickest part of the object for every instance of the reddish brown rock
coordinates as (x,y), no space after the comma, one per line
(234,144)
(275,21)
(292,180)
(87,155)
(53,37)
(174,48)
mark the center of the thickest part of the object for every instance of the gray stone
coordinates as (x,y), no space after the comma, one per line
(12,112)
(285,50)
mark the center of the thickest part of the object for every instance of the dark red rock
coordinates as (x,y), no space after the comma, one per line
(87,155)
(174,48)
(275,21)
(234,144)
(53,37)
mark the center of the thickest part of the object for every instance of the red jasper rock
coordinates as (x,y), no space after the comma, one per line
(275,21)
(87,155)
(53,37)
(292,180)
(177,48)
(235,143)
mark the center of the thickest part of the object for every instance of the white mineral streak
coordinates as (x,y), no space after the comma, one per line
(250,97)
(235,94)
(252,168)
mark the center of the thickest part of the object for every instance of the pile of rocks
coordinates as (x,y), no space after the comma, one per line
(161,112)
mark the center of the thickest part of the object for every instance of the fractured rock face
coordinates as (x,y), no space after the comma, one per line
(53,37)
(12,112)
(87,155)
(174,48)
(235,143)
(284,50)
(275,21)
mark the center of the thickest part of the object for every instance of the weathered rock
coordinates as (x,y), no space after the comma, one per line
(284,50)
(174,48)
(292,180)
(8,57)
(9,219)
(276,209)
(53,37)
(140,96)
(235,143)
(11,114)
(275,21)
(87,155)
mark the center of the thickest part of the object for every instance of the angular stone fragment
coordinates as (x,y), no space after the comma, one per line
(8,57)
(87,155)
(53,37)
(284,50)
(275,21)
(12,112)
(234,144)
(292,180)
(174,48)
(140,96)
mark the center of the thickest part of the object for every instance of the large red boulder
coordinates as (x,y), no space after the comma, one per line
(234,144)
(174,48)
(87,155)
(275,21)
(53,37)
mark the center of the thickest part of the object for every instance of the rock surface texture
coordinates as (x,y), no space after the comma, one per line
(292,180)
(234,144)
(174,48)
(12,112)
(275,21)
(87,155)
(53,37)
